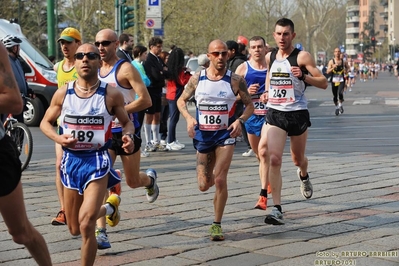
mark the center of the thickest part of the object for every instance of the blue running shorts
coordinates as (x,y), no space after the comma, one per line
(78,169)
(210,146)
(254,124)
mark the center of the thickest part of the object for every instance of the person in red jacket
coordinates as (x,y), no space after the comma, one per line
(179,76)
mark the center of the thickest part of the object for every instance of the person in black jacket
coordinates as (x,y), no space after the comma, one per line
(125,49)
(236,58)
(157,72)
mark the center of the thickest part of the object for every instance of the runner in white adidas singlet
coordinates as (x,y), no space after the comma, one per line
(215,127)
(287,115)
(86,108)
(125,78)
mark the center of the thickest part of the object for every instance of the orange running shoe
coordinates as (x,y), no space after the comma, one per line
(60,219)
(269,189)
(262,203)
(117,189)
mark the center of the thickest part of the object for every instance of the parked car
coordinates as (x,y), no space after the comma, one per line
(192,64)
(40,75)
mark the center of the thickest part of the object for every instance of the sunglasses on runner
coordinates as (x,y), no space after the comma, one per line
(103,43)
(90,56)
(217,54)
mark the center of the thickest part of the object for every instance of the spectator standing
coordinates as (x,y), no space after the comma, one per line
(163,125)
(140,55)
(203,62)
(157,73)
(125,50)
(235,58)
(179,75)
(12,44)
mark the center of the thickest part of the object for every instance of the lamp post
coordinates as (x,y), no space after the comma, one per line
(99,13)
(361,50)
(379,51)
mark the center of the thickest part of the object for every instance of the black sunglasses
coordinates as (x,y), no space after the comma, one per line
(217,54)
(90,56)
(103,43)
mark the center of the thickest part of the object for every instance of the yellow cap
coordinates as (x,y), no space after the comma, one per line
(70,35)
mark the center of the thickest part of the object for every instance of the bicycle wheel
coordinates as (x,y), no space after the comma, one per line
(22,137)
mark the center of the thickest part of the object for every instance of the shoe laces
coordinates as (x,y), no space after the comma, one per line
(306,184)
(276,212)
(150,190)
(216,229)
(101,232)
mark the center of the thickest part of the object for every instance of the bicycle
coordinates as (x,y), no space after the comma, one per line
(22,136)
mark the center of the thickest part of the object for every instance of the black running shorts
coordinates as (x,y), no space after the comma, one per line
(10,166)
(117,144)
(156,104)
(295,123)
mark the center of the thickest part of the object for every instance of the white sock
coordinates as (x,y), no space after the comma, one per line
(155,132)
(147,132)
(109,209)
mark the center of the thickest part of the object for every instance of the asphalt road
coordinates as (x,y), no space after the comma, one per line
(369,123)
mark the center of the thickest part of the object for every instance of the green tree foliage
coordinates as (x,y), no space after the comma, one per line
(190,25)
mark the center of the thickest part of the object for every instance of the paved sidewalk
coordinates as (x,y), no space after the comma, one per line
(353,215)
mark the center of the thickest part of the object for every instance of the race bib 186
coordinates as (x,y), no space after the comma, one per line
(213,117)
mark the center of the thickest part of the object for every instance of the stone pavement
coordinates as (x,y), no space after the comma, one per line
(352,218)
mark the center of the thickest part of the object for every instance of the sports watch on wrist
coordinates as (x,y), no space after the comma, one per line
(129,135)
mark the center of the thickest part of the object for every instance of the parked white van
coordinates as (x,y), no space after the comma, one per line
(41,77)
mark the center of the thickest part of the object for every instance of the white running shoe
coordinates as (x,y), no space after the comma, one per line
(144,154)
(248,153)
(275,217)
(174,146)
(152,192)
(306,186)
(150,147)
(180,144)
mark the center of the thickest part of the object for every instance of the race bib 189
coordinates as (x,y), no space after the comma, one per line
(89,130)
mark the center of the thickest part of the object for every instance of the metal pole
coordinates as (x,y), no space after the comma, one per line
(50,28)
(136,22)
(117,19)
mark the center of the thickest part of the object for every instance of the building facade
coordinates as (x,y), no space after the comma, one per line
(358,37)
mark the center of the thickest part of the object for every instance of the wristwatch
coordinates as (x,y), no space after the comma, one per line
(241,120)
(130,135)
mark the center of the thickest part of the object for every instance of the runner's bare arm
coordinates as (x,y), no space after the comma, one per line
(188,92)
(316,78)
(129,76)
(244,95)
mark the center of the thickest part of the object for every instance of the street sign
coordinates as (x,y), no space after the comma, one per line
(299,46)
(159,32)
(153,23)
(154,9)
(153,15)
(149,23)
